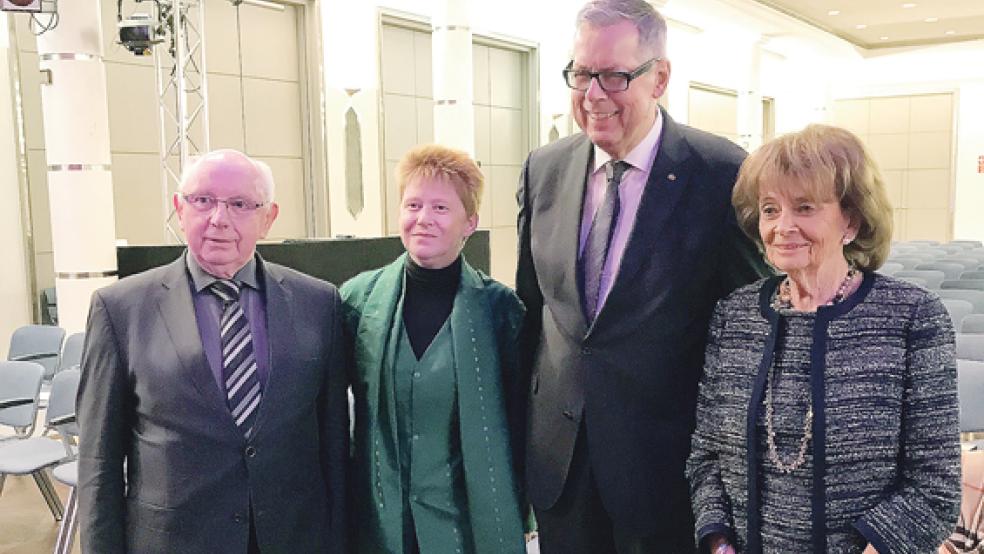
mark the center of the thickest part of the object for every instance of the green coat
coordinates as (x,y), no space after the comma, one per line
(485,321)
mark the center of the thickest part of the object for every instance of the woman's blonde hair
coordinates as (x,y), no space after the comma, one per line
(828,162)
(433,161)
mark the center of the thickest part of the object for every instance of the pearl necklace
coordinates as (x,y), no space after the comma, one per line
(783,301)
(784,297)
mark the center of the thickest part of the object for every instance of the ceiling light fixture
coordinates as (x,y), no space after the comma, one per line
(951,32)
(860,26)
(834,12)
(931,19)
(883,38)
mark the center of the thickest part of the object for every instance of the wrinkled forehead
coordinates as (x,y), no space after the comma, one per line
(776,185)
(612,46)
(225,176)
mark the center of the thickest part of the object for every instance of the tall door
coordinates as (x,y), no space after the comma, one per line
(502,141)
(503,108)
(408,103)
(714,110)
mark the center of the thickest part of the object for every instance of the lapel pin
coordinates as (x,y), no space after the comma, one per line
(671,177)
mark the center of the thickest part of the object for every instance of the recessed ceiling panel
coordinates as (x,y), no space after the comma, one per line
(876,24)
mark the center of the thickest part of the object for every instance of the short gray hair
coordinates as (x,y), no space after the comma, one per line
(648,21)
(267,185)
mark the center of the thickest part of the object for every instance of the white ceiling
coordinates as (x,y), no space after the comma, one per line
(874,24)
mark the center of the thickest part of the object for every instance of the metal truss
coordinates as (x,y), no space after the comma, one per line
(182,95)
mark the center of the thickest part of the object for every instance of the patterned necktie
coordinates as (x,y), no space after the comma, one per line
(600,237)
(242,384)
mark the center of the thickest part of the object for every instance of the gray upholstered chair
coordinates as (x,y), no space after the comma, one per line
(970,388)
(34,456)
(966,244)
(890,268)
(965,284)
(970,347)
(933,278)
(37,343)
(951,270)
(958,310)
(20,387)
(975,297)
(910,261)
(67,474)
(71,354)
(973,324)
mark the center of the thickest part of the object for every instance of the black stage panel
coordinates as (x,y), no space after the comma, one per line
(334,260)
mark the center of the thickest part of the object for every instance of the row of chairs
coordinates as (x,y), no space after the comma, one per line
(970,388)
(954,270)
(42,372)
(20,454)
(46,345)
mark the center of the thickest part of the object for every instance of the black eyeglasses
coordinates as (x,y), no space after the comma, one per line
(610,81)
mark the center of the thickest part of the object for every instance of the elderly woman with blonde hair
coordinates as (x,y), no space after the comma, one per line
(827,414)
(439,403)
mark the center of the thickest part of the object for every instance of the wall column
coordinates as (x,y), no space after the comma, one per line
(968,106)
(750,100)
(454,116)
(15,291)
(80,186)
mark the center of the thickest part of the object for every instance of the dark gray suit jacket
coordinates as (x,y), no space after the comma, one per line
(147,399)
(632,376)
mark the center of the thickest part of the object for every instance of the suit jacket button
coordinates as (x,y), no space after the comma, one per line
(569,415)
(250,451)
(586,350)
(238,518)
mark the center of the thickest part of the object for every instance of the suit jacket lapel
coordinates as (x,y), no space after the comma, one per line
(280,335)
(668,179)
(178,311)
(571,199)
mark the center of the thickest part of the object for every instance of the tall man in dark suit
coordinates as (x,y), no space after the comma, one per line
(212,405)
(627,239)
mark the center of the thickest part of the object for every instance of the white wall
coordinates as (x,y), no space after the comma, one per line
(14,291)
(710,41)
(351,36)
(955,68)
(969,201)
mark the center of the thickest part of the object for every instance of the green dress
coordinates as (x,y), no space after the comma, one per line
(431,452)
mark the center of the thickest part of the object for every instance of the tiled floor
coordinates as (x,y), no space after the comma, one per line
(26,524)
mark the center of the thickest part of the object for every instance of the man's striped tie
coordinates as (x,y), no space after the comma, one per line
(242,384)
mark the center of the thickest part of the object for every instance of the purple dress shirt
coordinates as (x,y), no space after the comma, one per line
(630,190)
(208,311)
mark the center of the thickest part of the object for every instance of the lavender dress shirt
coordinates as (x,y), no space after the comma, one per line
(208,311)
(630,191)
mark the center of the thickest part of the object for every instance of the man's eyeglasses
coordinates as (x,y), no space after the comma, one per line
(610,81)
(237,206)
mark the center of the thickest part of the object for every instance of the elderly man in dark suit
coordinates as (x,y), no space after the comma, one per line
(627,239)
(212,404)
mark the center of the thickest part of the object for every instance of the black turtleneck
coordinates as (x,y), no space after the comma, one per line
(427,301)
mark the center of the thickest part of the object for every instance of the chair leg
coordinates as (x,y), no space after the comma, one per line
(66,531)
(3,477)
(49,494)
